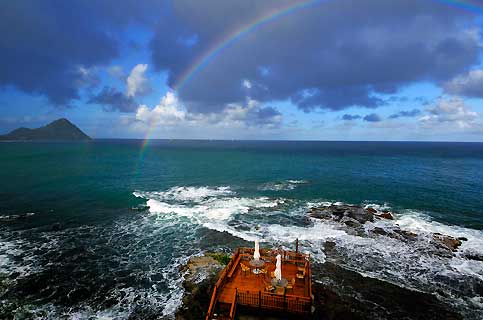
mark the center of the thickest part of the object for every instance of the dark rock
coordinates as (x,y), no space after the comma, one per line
(338,212)
(371,210)
(329,246)
(201,275)
(351,222)
(474,256)
(56,227)
(408,235)
(340,293)
(361,215)
(320,214)
(462,238)
(386,215)
(379,231)
(447,241)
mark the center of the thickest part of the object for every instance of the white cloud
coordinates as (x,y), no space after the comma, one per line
(137,83)
(171,113)
(469,84)
(449,112)
(167,112)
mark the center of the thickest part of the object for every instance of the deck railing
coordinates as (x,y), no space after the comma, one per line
(265,300)
(221,282)
(233,305)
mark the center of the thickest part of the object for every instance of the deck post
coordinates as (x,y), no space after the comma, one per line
(297,245)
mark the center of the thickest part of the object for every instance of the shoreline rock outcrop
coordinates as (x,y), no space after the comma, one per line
(200,275)
(354,217)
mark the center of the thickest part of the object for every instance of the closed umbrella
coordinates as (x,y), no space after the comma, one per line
(256,255)
(278,270)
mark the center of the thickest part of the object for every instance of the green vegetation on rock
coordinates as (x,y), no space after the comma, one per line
(222,258)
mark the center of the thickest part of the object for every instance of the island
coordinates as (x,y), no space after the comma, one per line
(59,130)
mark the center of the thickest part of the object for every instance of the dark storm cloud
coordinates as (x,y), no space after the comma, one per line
(344,52)
(113,100)
(45,45)
(350,117)
(330,55)
(263,116)
(405,114)
(373,117)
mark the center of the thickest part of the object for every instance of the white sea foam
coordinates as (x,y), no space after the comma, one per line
(406,263)
(14,259)
(195,194)
(16,216)
(298,181)
(282,185)
(211,204)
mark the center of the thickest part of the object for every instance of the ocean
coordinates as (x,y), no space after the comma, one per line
(98,230)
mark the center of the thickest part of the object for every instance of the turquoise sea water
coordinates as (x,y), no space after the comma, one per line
(109,222)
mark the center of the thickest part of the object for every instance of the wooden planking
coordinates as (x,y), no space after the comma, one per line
(253,282)
(234,286)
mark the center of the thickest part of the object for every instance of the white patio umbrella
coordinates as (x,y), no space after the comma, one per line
(278,270)
(256,255)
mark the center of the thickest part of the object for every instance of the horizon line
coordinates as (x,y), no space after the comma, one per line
(286,140)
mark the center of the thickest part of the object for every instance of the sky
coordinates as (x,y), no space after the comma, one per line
(245,69)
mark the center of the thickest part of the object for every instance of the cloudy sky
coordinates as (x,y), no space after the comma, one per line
(245,69)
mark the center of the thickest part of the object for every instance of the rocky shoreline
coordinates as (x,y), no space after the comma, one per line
(339,292)
(355,218)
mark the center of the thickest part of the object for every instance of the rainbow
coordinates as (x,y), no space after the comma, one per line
(233,37)
(219,46)
(470,5)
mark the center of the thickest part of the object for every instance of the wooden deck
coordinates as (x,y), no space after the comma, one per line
(248,289)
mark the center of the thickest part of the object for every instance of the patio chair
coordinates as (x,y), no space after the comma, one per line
(263,272)
(291,285)
(244,268)
(268,286)
(301,275)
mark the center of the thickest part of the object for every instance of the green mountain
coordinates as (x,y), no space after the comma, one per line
(61,129)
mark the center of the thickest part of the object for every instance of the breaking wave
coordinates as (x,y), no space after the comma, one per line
(415,264)
(132,266)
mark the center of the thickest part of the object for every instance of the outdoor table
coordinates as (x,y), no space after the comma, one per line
(256,264)
(282,283)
